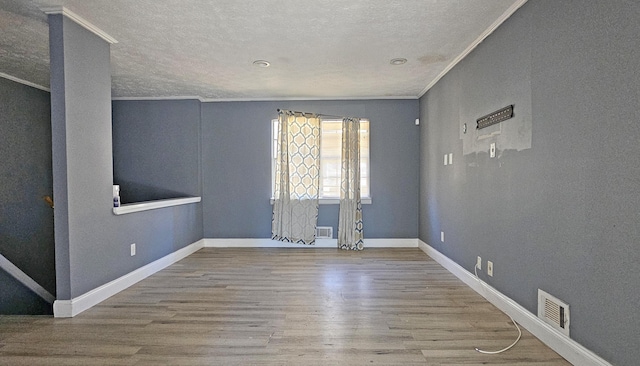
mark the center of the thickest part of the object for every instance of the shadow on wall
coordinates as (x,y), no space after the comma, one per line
(132,192)
(19,300)
(26,221)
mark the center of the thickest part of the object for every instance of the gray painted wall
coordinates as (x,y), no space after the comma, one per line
(26,221)
(562,215)
(92,244)
(156,149)
(17,299)
(236,143)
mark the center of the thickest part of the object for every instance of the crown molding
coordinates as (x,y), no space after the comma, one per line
(179,97)
(55,10)
(506,15)
(24,82)
(276,99)
(213,100)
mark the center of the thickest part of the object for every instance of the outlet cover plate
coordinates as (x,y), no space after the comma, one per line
(490,268)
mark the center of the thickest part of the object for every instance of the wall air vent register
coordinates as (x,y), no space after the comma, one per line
(324,232)
(553,312)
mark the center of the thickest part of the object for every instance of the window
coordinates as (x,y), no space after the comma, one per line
(330,158)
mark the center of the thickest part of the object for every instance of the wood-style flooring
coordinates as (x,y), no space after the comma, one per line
(280,306)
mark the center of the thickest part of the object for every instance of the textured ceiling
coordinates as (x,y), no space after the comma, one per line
(205,48)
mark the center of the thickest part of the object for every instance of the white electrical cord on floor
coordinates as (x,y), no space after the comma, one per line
(475,270)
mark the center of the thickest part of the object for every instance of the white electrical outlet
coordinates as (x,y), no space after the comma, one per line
(479,262)
(492,150)
(442,236)
(446,159)
(490,268)
(450,158)
(133,249)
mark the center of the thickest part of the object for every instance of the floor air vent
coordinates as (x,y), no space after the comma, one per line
(324,232)
(553,312)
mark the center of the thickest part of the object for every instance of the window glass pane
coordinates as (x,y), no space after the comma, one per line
(331,156)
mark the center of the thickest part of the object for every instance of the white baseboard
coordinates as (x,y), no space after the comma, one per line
(73,307)
(320,243)
(571,350)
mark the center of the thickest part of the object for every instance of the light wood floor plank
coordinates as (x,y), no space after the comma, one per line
(282,306)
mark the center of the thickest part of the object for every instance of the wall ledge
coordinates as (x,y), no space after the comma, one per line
(152,205)
(566,347)
(73,307)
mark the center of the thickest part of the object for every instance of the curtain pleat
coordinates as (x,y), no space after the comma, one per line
(295,210)
(350,234)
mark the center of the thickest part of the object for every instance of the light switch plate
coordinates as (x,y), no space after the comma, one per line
(492,150)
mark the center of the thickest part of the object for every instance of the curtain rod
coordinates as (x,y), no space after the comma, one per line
(319,114)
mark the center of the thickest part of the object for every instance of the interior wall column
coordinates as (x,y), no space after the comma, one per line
(82,146)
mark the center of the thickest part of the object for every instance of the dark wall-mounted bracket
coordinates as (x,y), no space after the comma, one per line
(495,117)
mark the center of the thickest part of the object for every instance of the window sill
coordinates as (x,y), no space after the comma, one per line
(332,201)
(152,205)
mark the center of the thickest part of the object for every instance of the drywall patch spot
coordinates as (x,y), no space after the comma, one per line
(432,58)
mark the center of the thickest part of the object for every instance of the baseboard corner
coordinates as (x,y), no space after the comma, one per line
(76,305)
(566,347)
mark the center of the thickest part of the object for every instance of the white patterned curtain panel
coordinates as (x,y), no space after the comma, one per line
(350,217)
(295,210)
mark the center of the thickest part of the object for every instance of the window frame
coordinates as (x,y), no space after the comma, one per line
(322,200)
